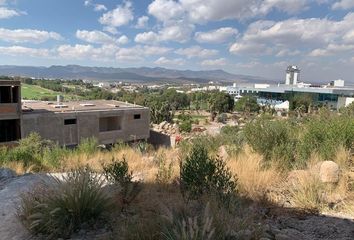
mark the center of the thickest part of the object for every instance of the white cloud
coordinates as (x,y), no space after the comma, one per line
(139,52)
(94,37)
(147,37)
(214,62)
(249,48)
(96,7)
(27,35)
(293,35)
(9,13)
(24,51)
(177,32)
(332,49)
(123,39)
(216,36)
(288,52)
(165,10)
(169,62)
(196,51)
(343,4)
(142,22)
(180,32)
(119,16)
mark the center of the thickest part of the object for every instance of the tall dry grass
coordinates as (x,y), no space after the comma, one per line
(254,180)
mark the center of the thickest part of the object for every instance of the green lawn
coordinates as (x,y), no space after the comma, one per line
(38,93)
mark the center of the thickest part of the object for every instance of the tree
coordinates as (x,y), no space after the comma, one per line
(220,102)
(247,104)
(160,111)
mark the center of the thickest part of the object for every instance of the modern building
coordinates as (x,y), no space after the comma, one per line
(69,122)
(334,95)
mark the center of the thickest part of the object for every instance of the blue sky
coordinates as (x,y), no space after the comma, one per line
(255,37)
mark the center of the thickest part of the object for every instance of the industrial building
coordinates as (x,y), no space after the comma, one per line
(334,95)
(67,123)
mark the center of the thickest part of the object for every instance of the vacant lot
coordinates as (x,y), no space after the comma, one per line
(38,93)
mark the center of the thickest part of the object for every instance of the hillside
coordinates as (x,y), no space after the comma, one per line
(142,74)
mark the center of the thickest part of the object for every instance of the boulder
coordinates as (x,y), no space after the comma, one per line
(6,173)
(162,125)
(329,172)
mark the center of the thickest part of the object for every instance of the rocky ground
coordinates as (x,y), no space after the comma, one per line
(280,223)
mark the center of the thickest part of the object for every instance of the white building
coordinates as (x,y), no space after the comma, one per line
(292,75)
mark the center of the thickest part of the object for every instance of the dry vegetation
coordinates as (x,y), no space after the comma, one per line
(158,208)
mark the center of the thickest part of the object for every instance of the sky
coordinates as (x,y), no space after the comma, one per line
(252,37)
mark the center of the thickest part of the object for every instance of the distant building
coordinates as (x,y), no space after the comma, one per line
(335,95)
(67,123)
(292,75)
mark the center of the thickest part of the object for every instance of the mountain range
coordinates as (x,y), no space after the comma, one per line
(138,75)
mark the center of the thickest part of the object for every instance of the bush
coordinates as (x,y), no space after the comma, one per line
(164,172)
(60,207)
(88,145)
(201,174)
(272,139)
(186,126)
(247,104)
(184,227)
(117,172)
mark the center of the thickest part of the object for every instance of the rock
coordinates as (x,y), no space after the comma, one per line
(329,172)
(223,153)
(162,125)
(6,173)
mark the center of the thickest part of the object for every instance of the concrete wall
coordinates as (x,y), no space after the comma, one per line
(51,126)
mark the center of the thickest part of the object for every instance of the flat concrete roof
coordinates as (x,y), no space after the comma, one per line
(29,106)
(7,82)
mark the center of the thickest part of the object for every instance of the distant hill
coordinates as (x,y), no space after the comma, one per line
(141,74)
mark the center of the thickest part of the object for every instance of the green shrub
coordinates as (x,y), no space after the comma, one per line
(117,172)
(273,139)
(201,174)
(164,172)
(59,207)
(87,145)
(186,126)
(247,104)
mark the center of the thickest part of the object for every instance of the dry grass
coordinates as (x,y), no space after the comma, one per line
(254,180)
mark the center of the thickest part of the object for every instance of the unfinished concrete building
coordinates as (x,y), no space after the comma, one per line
(10,111)
(67,123)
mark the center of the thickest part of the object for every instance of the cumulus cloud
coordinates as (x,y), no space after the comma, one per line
(169,62)
(293,34)
(196,51)
(201,11)
(96,7)
(119,16)
(178,32)
(214,62)
(138,52)
(123,39)
(216,36)
(27,35)
(79,51)
(24,51)
(9,13)
(343,4)
(142,22)
(331,49)
(94,37)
